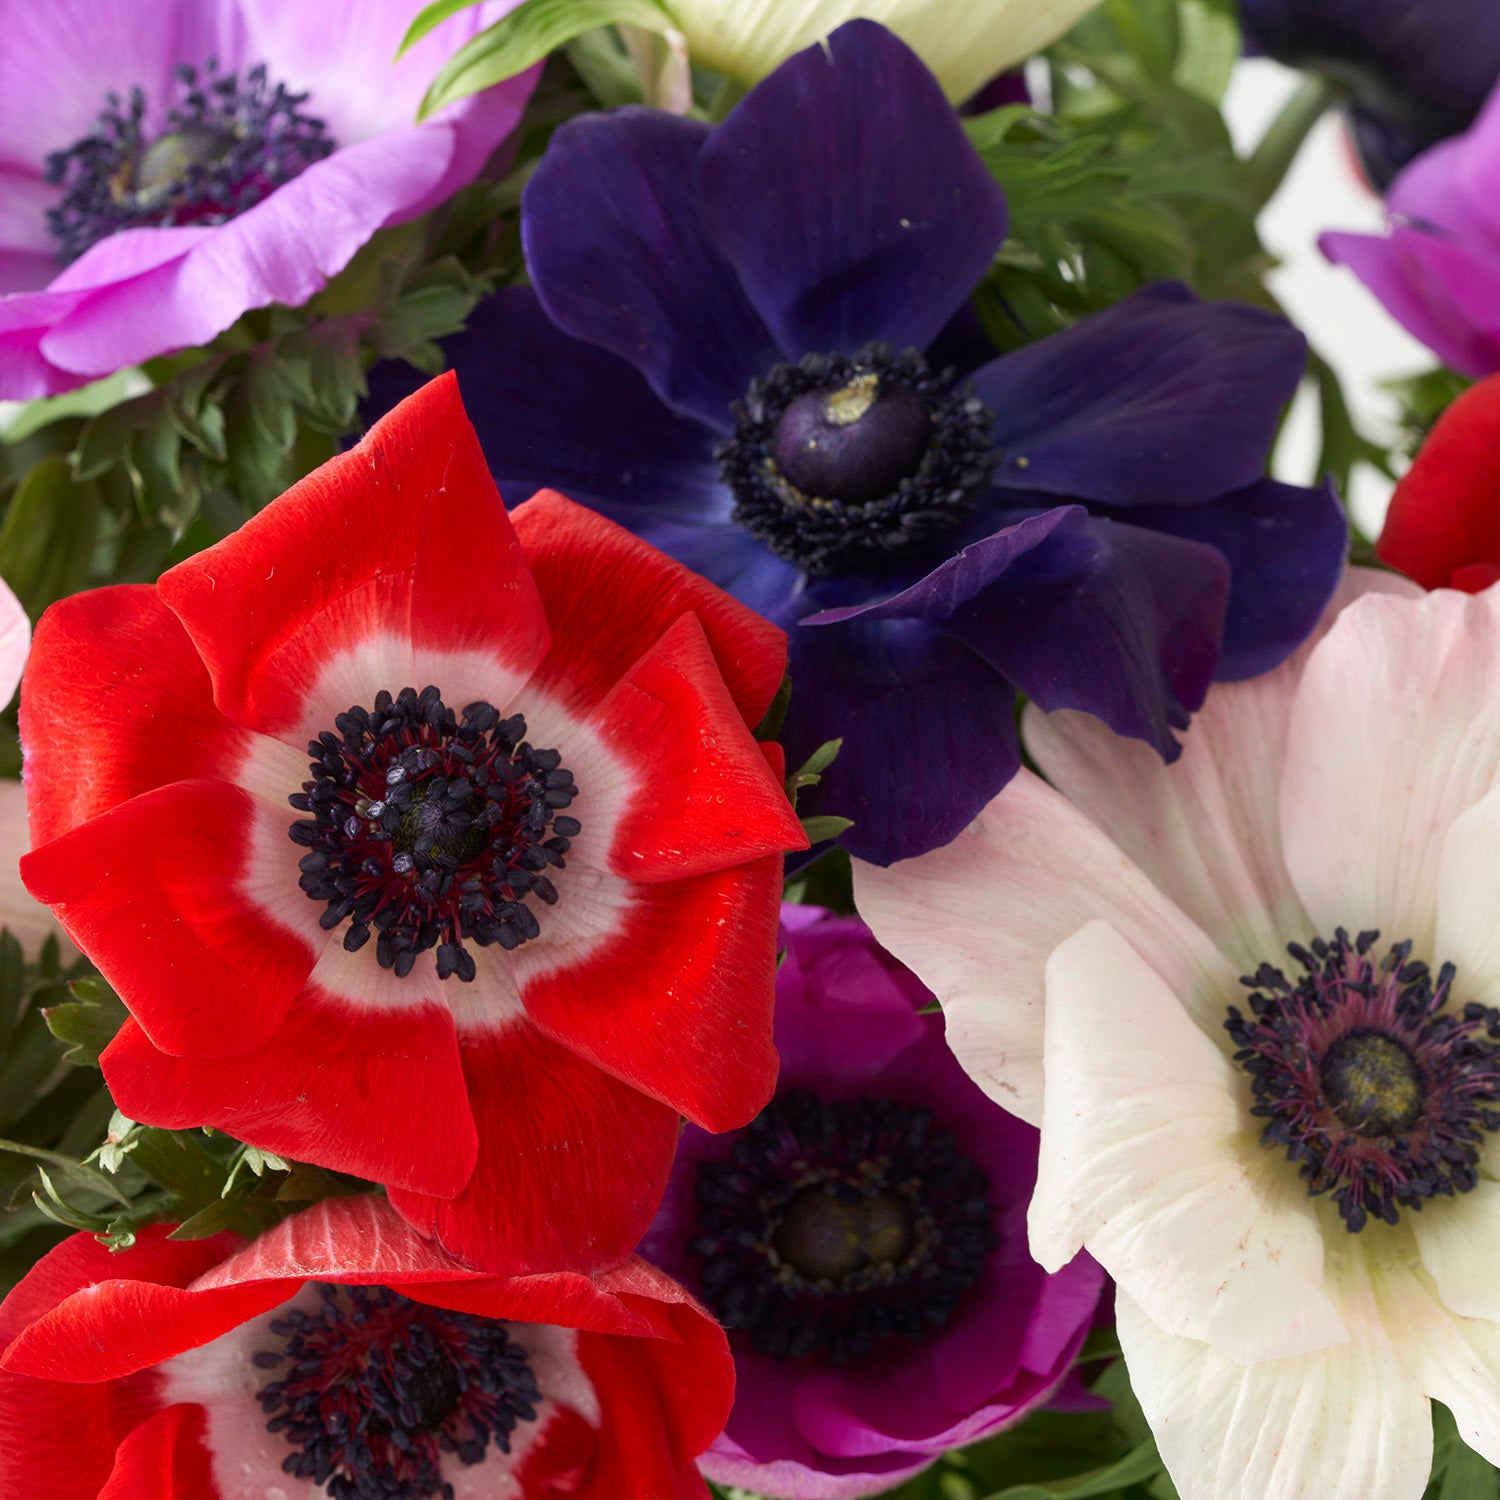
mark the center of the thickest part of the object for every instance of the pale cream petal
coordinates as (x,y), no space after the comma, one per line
(1343,1423)
(1395,731)
(1458,1239)
(1206,828)
(965,42)
(1149,1158)
(1468,901)
(977,919)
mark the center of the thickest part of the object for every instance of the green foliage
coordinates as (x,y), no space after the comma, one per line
(1458,1472)
(521,38)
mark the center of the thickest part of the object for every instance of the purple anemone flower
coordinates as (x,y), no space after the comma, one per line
(1437,270)
(1416,73)
(864,1239)
(165,167)
(751,345)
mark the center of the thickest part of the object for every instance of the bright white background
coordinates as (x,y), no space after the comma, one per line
(1329,304)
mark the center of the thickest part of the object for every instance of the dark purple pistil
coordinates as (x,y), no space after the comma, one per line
(430,830)
(1379,1089)
(843,463)
(226,143)
(834,1227)
(373,1389)
(857,442)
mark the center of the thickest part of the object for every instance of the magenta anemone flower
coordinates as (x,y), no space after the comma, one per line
(166,167)
(864,1239)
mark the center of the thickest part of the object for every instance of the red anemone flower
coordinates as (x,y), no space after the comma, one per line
(524,913)
(1443,525)
(342,1355)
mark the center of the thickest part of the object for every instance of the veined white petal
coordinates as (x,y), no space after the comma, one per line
(1395,732)
(1468,898)
(1149,1158)
(1457,1238)
(1343,1423)
(977,919)
(965,42)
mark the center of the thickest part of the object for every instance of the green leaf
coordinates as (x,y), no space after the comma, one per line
(88,1022)
(429,19)
(527,35)
(1458,1472)
(47,539)
(825,826)
(12,982)
(1140,1464)
(775,716)
(77,1172)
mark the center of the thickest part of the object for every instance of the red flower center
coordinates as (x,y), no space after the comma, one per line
(431,830)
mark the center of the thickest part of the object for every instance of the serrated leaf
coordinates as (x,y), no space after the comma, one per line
(75,1172)
(88,1023)
(525,36)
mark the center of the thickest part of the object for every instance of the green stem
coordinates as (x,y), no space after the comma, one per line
(1278,148)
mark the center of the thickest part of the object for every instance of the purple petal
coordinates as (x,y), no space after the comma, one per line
(928,729)
(1286,548)
(354,85)
(846,195)
(1161,399)
(619,257)
(282,250)
(553,412)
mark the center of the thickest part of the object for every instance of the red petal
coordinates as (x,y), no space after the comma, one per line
(1444,517)
(41,1419)
(610,596)
(115,702)
(679,1004)
(379,1094)
(706,797)
(572,1163)
(403,535)
(185,898)
(663,1404)
(164,1459)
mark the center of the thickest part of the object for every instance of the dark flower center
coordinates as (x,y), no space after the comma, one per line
(841,464)
(833,1227)
(432,830)
(1367,1078)
(374,1389)
(228,141)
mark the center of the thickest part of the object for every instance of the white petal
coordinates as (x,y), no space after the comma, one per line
(1468,898)
(1206,828)
(965,42)
(1395,731)
(1452,1359)
(30,923)
(977,919)
(1457,1238)
(1344,1423)
(1150,1159)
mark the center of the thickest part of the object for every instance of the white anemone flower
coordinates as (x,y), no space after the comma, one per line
(1292,1176)
(965,42)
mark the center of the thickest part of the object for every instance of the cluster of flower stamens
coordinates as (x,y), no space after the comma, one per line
(373,1389)
(833,1227)
(430,829)
(842,463)
(226,143)
(1367,1078)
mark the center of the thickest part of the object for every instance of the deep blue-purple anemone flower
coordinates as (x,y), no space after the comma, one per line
(750,344)
(1417,71)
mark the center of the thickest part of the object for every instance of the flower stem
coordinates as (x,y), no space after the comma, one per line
(1273,157)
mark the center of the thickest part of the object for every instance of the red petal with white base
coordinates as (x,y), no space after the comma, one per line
(379,1094)
(705,797)
(403,534)
(41,1419)
(1443,525)
(186,898)
(610,596)
(116,702)
(679,1004)
(164,1459)
(556,1131)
